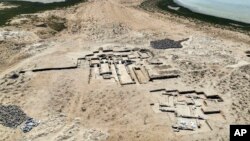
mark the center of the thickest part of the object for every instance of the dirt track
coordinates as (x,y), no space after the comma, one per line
(71,109)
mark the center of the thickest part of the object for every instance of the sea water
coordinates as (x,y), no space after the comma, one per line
(237,10)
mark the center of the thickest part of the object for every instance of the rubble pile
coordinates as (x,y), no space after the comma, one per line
(165,44)
(11,116)
(29,124)
(13,75)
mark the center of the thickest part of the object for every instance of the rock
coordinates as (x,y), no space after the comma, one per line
(40,24)
(29,125)
(56,23)
(13,75)
(83,109)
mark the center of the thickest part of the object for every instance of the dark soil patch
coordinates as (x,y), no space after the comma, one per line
(12,116)
(166,44)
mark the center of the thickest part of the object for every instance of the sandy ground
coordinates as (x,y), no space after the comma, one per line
(4,6)
(71,109)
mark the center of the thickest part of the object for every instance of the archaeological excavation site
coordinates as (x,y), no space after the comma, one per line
(120,70)
(151,81)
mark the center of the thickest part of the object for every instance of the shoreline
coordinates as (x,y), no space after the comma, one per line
(212,11)
(26,7)
(4,6)
(161,6)
(43,1)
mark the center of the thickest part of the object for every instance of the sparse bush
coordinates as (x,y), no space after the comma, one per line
(56,23)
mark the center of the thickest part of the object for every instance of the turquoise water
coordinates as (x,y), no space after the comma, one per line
(238,10)
(231,14)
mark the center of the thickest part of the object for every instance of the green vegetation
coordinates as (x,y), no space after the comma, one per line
(31,7)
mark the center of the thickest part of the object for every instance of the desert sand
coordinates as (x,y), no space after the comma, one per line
(70,107)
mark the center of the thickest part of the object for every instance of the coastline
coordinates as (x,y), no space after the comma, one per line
(6,6)
(26,7)
(44,1)
(235,11)
(161,6)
